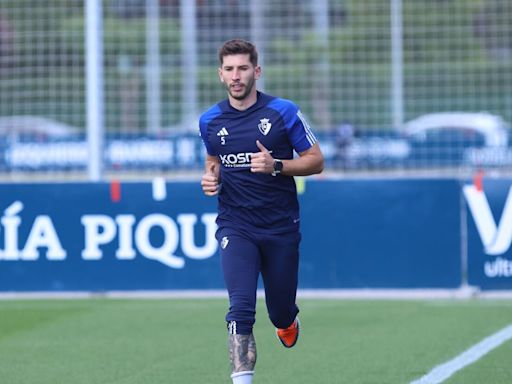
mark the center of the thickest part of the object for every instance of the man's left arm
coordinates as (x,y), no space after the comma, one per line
(309,162)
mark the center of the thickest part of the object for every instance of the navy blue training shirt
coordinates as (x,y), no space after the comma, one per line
(255,201)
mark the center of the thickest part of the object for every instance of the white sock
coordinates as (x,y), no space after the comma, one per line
(244,377)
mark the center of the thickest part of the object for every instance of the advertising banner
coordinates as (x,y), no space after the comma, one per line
(161,236)
(100,236)
(489,232)
(381,234)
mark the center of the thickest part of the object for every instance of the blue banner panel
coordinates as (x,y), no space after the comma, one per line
(104,236)
(150,236)
(489,229)
(381,234)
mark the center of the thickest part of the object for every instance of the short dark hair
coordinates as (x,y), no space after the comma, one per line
(236,47)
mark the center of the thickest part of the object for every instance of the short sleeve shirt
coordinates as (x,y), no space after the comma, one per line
(254,201)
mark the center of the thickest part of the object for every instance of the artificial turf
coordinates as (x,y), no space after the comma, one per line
(183,341)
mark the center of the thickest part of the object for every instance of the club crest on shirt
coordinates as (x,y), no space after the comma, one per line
(224,242)
(264,126)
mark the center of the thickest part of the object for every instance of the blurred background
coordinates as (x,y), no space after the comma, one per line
(91,89)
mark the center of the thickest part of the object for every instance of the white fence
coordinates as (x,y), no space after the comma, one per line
(124,69)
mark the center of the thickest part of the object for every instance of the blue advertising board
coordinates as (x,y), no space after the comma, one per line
(102,236)
(387,233)
(381,234)
(489,232)
(171,151)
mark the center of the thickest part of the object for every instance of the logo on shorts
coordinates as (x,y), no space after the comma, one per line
(265,126)
(224,242)
(232,327)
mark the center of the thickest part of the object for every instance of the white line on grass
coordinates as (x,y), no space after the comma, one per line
(469,356)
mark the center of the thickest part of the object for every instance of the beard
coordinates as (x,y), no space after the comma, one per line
(246,90)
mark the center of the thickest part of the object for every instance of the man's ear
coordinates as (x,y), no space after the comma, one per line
(257,72)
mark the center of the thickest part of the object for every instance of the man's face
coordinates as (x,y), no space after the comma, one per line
(239,75)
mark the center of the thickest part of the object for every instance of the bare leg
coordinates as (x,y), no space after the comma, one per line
(242,353)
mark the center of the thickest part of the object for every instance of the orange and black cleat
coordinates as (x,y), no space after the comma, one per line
(289,336)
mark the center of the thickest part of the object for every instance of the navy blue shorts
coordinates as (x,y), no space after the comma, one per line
(244,256)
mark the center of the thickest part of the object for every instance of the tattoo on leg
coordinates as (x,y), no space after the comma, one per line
(242,352)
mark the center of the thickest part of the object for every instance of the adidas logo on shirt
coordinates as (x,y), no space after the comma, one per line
(223,132)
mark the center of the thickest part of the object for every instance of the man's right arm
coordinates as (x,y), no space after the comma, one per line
(210,179)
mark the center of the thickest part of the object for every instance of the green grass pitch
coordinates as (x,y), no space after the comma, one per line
(183,341)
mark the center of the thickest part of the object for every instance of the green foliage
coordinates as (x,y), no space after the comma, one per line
(494,19)
(122,37)
(452,60)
